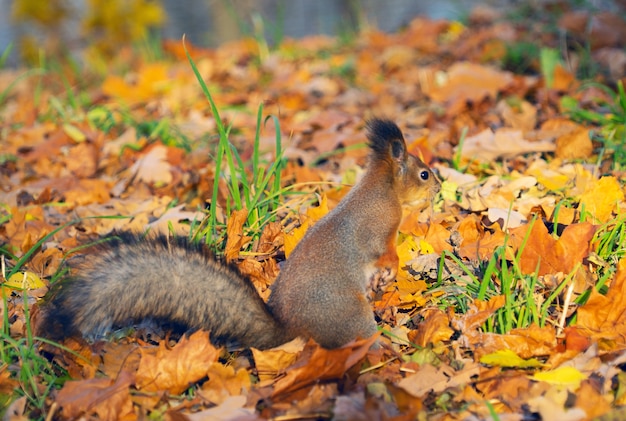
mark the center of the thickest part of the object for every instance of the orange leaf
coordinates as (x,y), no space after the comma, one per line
(604,316)
(175,369)
(317,364)
(223,382)
(574,145)
(434,328)
(235,239)
(553,255)
(109,400)
(470,82)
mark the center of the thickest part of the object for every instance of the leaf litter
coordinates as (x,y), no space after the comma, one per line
(526,189)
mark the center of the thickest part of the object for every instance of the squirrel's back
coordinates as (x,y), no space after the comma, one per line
(130,278)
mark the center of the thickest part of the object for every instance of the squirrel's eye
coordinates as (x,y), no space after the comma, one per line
(424,175)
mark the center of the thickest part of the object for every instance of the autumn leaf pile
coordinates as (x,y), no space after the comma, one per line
(511,296)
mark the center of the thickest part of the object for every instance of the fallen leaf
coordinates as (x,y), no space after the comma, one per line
(428,379)
(601,198)
(603,317)
(152,167)
(235,238)
(174,370)
(435,328)
(269,363)
(574,145)
(508,358)
(547,255)
(232,408)
(108,399)
(562,376)
(467,81)
(317,364)
(488,146)
(224,382)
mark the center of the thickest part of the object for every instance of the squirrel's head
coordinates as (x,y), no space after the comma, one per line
(412,180)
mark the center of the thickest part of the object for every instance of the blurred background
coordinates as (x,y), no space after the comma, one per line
(31,25)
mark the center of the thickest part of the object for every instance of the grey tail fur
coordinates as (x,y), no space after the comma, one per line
(129,279)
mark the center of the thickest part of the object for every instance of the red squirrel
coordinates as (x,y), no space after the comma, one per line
(321,292)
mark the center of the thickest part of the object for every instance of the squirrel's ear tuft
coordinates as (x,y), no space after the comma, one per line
(385,138)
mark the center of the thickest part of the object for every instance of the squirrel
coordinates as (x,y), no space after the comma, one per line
(320,293)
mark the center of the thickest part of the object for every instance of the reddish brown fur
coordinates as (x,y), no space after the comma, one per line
(320,293)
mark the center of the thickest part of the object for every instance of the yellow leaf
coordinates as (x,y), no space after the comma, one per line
(320,211)
(508,358)
(552,180)
(407,250)
(426,248)
(269,363)
(562,376)
(601,198)
(293,238)
(448,190)
(74,133)
(25,280)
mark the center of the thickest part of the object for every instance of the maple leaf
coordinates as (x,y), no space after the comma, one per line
(550,254)
(317,364)
(108,399)
(175,369)
(603,317)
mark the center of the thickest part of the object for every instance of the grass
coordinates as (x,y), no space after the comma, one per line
(254,186)
(609,117)
(34,375)
(527,299)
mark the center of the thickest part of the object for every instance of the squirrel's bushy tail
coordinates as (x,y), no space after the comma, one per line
(128,279)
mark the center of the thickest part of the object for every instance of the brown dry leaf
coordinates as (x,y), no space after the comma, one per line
(117,357)
(510,388)
(434,328)
(108,399)
(519,114)
(478,244)
(427,379)
(574,145)
(153,167)
(232,408)
(478,312)
(174,221)
(7,384)
(603,317)
(601,29)
(317,364)
(488,146)
(224,382)
(88,191)
(529,342)
(271,238)
(82,160)
(235,239)
(174,370)
(564,80)
(553,255)
(470,82)
(270,362)
(293,238)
